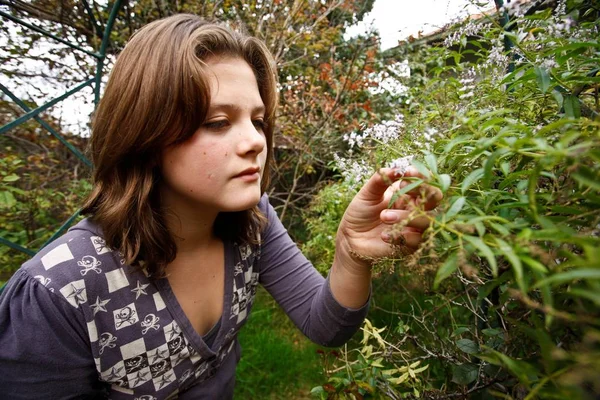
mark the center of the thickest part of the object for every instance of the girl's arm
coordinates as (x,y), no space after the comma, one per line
(366,231)
(44,351)
(300,290)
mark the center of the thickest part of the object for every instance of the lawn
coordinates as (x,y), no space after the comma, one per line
(278,361)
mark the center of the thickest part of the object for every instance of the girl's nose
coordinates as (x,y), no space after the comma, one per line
(252,139)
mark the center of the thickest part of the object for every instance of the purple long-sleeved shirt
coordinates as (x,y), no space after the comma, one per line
(75,322)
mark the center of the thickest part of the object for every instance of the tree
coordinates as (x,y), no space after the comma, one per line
(325,79)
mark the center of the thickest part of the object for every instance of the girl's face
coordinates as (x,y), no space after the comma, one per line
(220,167)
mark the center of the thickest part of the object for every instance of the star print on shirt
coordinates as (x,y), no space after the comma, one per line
(114,373)
(166,379)
(173,331)
(179,357)
(141,377)
(159,355)
(76,294)
(99,305)
(140,289)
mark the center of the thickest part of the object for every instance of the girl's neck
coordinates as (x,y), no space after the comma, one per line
(191,234)
(192,227)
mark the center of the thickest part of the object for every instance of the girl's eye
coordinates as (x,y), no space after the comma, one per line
(215,125)
(260,124)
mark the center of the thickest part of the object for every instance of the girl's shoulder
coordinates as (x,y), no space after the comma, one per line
(76,262)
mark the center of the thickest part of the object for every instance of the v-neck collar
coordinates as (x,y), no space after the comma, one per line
(194,338)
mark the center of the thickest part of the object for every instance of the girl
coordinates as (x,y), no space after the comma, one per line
(145,297)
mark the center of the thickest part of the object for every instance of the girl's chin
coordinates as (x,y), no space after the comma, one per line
(245,203)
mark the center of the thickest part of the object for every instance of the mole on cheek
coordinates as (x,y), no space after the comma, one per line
(210,176)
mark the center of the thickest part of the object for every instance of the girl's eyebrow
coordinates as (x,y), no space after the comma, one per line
(235,108)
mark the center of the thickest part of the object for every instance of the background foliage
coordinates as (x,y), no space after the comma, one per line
(501,301)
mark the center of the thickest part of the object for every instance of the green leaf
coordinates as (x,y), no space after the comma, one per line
(11,178)
(534,264)
(468,346)
(485,250)
(586,177)
(446,270)
(521,369)
(586,294)
(419,370)
(568,276)
(464,374)
(431,162)
(514,260)
(576,45)
(400,380)
(403,191)
(532,190)
(559,98)
(513,177)
(455,207)
(365,386)
(547,297)
(460,331)
(473,177)
(480,228)
(377,363)
(317,390)
(543,78)
(7,199)
(501,229)
(572,106)
(488,168)
(421,168)
(491,332)
(550,234)
(456,141)
(445,181)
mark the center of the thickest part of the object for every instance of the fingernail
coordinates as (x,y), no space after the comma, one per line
(390,216)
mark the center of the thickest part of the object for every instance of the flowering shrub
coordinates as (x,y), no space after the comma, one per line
(502,300)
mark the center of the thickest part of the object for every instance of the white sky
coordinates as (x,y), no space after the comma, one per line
(397,19)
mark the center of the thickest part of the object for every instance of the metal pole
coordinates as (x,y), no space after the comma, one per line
(33,113)
(508,44)
(61,229)
(46,33)
(16,247)
(105,40)
(48,127)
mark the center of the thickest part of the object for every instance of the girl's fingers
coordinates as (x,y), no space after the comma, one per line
(425,195)
(407,238)
(378,185)
(391,216)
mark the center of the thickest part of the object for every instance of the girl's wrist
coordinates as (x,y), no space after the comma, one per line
(351,260)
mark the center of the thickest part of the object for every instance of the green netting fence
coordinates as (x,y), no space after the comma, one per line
(93,81)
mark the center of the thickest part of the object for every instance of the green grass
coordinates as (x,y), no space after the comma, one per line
(278,361)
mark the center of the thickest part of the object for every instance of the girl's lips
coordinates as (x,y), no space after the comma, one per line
(249,177)
(249,174)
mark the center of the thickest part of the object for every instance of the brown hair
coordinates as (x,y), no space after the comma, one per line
(158,96)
